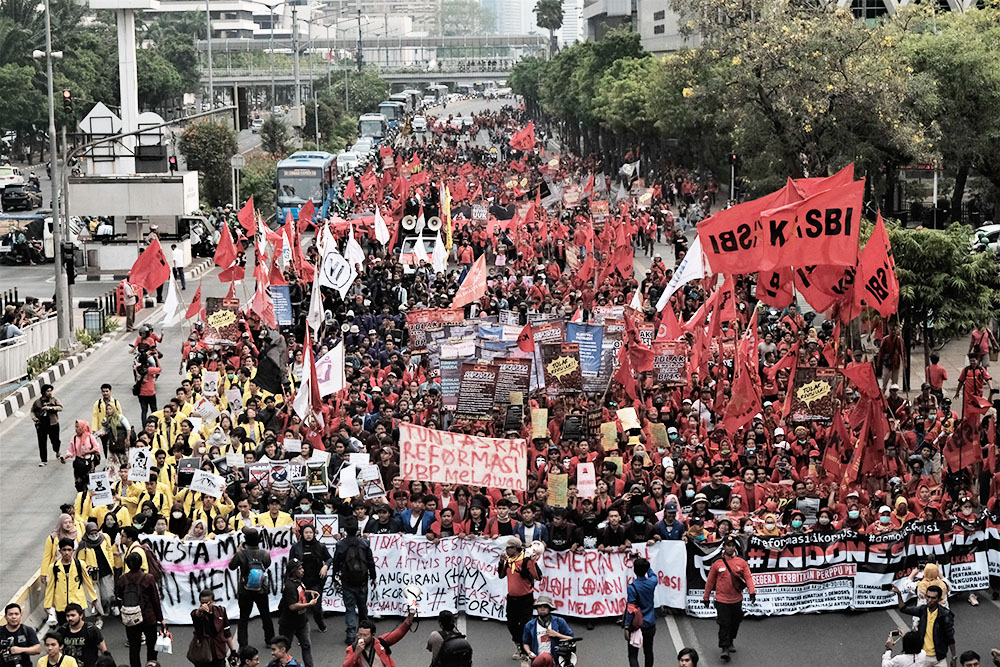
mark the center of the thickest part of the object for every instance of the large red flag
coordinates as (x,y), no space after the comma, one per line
(524,139)
(729,238)
(775,288)
(862,374)
(526,339)
(351,190)
(151,269)
(195,306)
(247,218)
(807,187)
(306,214)
(225,252)
(474,285)
(878,285)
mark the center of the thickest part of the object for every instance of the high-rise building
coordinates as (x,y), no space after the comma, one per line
(572,25)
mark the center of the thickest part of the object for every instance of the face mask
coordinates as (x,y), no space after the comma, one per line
(769,526)
(796,523)
(853,514)
(177,515)
(672,436)
(885,519)
(689,493)
(661,450)
(699,538)
(748,529)
(824,521)
(328,510)
(305,508)
(640,519)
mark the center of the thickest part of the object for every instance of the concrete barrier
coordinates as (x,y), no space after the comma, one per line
(31,597)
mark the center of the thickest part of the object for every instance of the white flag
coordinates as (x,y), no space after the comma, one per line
(439,258)
(330,371)
(381,231)
(286,250)
(315,315)
(692,268)
(419,251)
(636,300)
(173,310)
(353,252)
(301,403)
(421,223)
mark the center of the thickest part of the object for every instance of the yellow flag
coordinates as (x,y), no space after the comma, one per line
(447,218)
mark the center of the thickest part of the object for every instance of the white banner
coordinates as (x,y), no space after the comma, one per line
(441,456)
(457,574)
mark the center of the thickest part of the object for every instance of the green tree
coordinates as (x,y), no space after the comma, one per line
(364,91)
(942,284)
(526,80)
(158,79)
(257,181)
(23,108)
(549,15)
(274,136)
(465,17)
(207,147)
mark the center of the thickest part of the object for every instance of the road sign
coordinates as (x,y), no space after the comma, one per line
(238,161)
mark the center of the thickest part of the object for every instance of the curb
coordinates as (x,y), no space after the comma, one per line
(31,391)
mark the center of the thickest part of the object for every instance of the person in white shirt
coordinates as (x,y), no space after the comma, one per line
(177,264)
(912,651)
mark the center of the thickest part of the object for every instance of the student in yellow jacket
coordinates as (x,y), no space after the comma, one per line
(97,554)
(129,539)
(65,530)
(100,407)
(243,517)
(68,582)
(274,517)
(54,656)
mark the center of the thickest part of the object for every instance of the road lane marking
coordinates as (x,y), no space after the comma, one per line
(897,618)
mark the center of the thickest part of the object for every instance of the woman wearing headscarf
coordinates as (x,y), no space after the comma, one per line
(931,576)
(198,531)
(770,527)
(85,451)
(145,520)
(97,555)
(178,523)
(65,528)
(114,433)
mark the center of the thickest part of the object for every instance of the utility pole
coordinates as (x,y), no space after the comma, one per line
(360,54)
(274,100)
(295,55)
(63,306)
(211,65)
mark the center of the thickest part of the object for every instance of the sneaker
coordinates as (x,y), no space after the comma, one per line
(516,656)
(725,657)
(99,623)
(41,464)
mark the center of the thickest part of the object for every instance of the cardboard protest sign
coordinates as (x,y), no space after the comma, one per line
(210,383)
(348,486)
(814,391)
(316,478)
(558,490)
(476,392)
(628,418)
(441,456)
(513,376)
(221,326)
(658,433)
(208,483)
(572,429)
(100,489)
(235,400)
(586,480)
(670,362)
(617,460)
(140,460)
(561,366)
(206,410)
(609,436)
(359,458)
(539,423)
(370,481)
(327,526)
(279,475)
(418,322)
(293,445)
(260,473)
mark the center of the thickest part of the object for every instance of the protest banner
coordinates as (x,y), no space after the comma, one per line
(590,338)
(418,322)
(316,478)
(100,489)
(222,316)
(814,392)
(282,299)
(670,362)
(798,574)
(208,483)
(440,456)
(456,574)
(476,392)
(558,488)
(140,460)
(586,481)
(513,376)
(509,318)
(561,368)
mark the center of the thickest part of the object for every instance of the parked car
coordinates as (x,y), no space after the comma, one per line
(20,198)
(256,125)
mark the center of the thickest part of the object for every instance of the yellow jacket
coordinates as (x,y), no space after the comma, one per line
(236,521)
(136,547)
(51,553)
(89,558)
(67,661)
(83,507)
(284,519)
(62,587)
(97,418)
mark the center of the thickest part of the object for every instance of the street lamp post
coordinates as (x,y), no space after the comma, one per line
(295,56)
(63,307)
(211,65)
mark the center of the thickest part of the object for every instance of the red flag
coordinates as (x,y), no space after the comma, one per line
(878,285)
(195,306)
(588,187)
(524,139)
(624,375)
(247,218)
(526,339)
(669,327)
(368,179)
(306,214)
(787,362)
(151,269)
(350,190)
(587,268)
(862,374)
(964,448)
(775,288)
(808,187)
(231,293)
(474,285)
(225,252)
(729,238)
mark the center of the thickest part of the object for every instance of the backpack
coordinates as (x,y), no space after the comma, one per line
(131,609)
(255,577)
(355,564)
(455,651)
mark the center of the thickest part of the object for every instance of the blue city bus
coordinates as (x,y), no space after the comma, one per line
(302,176)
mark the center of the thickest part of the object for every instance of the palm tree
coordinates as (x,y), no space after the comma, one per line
(549,15)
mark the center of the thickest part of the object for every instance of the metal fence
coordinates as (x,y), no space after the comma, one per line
(15,352)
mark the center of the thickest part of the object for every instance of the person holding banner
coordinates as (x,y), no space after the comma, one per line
(728,577)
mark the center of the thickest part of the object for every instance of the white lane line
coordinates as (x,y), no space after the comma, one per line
(897,618)
(675,633)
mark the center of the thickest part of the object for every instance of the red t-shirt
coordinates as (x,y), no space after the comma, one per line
(936,375)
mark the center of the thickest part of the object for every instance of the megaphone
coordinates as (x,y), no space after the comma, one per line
(434,224)
(535,549)
(413,594)
(409,223)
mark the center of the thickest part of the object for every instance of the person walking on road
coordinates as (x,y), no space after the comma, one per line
(296,601)
(177,264)
(316,562)
(521,573)
(45,413)
(639,600)
(353,561)
(212,638)
(253,563)
(18,641)
(54,656)
(141,611)
(729,575)
(935,623)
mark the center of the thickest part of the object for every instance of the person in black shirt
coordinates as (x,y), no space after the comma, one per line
(586,526)
(18,642)
(383,523)
(612,536)
(250,550)
(640,528)
(296,601)
(716,492)
(81,639)
(479,518)
(502,524)
(316,562)
(562,533)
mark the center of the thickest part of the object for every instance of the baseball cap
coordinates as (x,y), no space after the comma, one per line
(670,507)
(698,497)
(885,509)
(779,431)
(672,429)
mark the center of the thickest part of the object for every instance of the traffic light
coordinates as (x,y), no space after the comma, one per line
(733,158)
(67,263)
(172,161)
(68,101)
